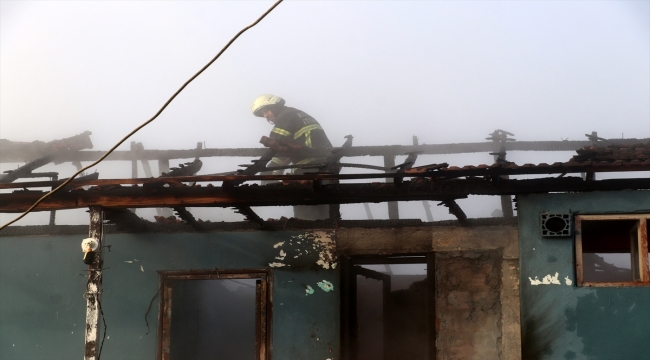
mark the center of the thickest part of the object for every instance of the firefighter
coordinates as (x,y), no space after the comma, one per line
(293,126)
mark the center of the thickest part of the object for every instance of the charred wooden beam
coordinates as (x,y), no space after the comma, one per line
(387,150)
(303,194)
(455,210)
(187,216)
(251,215)
(186,169)
(258,165)
(25,170)
(16,151)
(53,175)
(126,220)
(429,171)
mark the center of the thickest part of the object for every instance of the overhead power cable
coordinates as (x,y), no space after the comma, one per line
(146,122)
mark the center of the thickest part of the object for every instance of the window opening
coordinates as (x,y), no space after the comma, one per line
(389,309)
(214,316)
(611,250)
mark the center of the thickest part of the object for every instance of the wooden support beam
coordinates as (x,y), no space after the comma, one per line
(428,149)
(393,208)
(93,287)
(455,210)
(26,169)
(163,167)
(251,215)
(298,194)
(145,163)
(187,216)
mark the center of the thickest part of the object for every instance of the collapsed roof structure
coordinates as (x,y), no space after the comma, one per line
(452,289)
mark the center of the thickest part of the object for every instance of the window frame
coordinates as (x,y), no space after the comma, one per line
(263,305)
(642,238)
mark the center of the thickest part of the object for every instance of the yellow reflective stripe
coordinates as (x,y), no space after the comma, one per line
(282,132)
(307,132)
(279,160)
(308,160)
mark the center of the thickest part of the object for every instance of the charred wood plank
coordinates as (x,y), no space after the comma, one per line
(455,210)
(252,216)
(25,170)
(187,216)
(126,220)
(429,149)
(297,194)
(187,169)
(16,151)
(422,171)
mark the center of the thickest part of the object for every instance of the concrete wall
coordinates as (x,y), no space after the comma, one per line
(567,322)
(42,282)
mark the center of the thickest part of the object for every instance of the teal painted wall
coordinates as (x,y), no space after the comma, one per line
(42,309)
(567,322)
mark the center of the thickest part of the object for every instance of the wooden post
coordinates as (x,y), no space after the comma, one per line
(425,203)
(53,212)
(145,162)
(93,287)
(500,155)
(393,209)
(163,167)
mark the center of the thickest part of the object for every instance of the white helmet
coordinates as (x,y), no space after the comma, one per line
(263,101)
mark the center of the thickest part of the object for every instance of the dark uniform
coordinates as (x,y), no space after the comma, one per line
(296,126)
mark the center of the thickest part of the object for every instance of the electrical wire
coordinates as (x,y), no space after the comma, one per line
(146,122)
(101,310)
(149,308)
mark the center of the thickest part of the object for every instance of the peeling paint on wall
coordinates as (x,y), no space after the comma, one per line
(326,285)
(318,242)
(546,280)
(277,265)
(326,248)
(568,281)
(309,290)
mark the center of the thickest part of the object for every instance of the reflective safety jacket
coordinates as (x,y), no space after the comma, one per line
(293,125)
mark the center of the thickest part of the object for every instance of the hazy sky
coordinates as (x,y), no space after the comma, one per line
(447,71)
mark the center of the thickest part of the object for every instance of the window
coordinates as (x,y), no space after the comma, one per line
(204,313)
(388,308)
(612,250)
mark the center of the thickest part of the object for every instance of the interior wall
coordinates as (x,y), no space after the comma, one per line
(561,320)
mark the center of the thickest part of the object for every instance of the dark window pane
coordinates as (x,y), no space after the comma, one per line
(607,250)
(213,319)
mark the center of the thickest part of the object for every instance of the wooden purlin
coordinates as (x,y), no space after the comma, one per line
(297,194)
(395,150)
(427,171)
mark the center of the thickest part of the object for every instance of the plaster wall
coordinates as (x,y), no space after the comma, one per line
(42,283)
(562,321)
